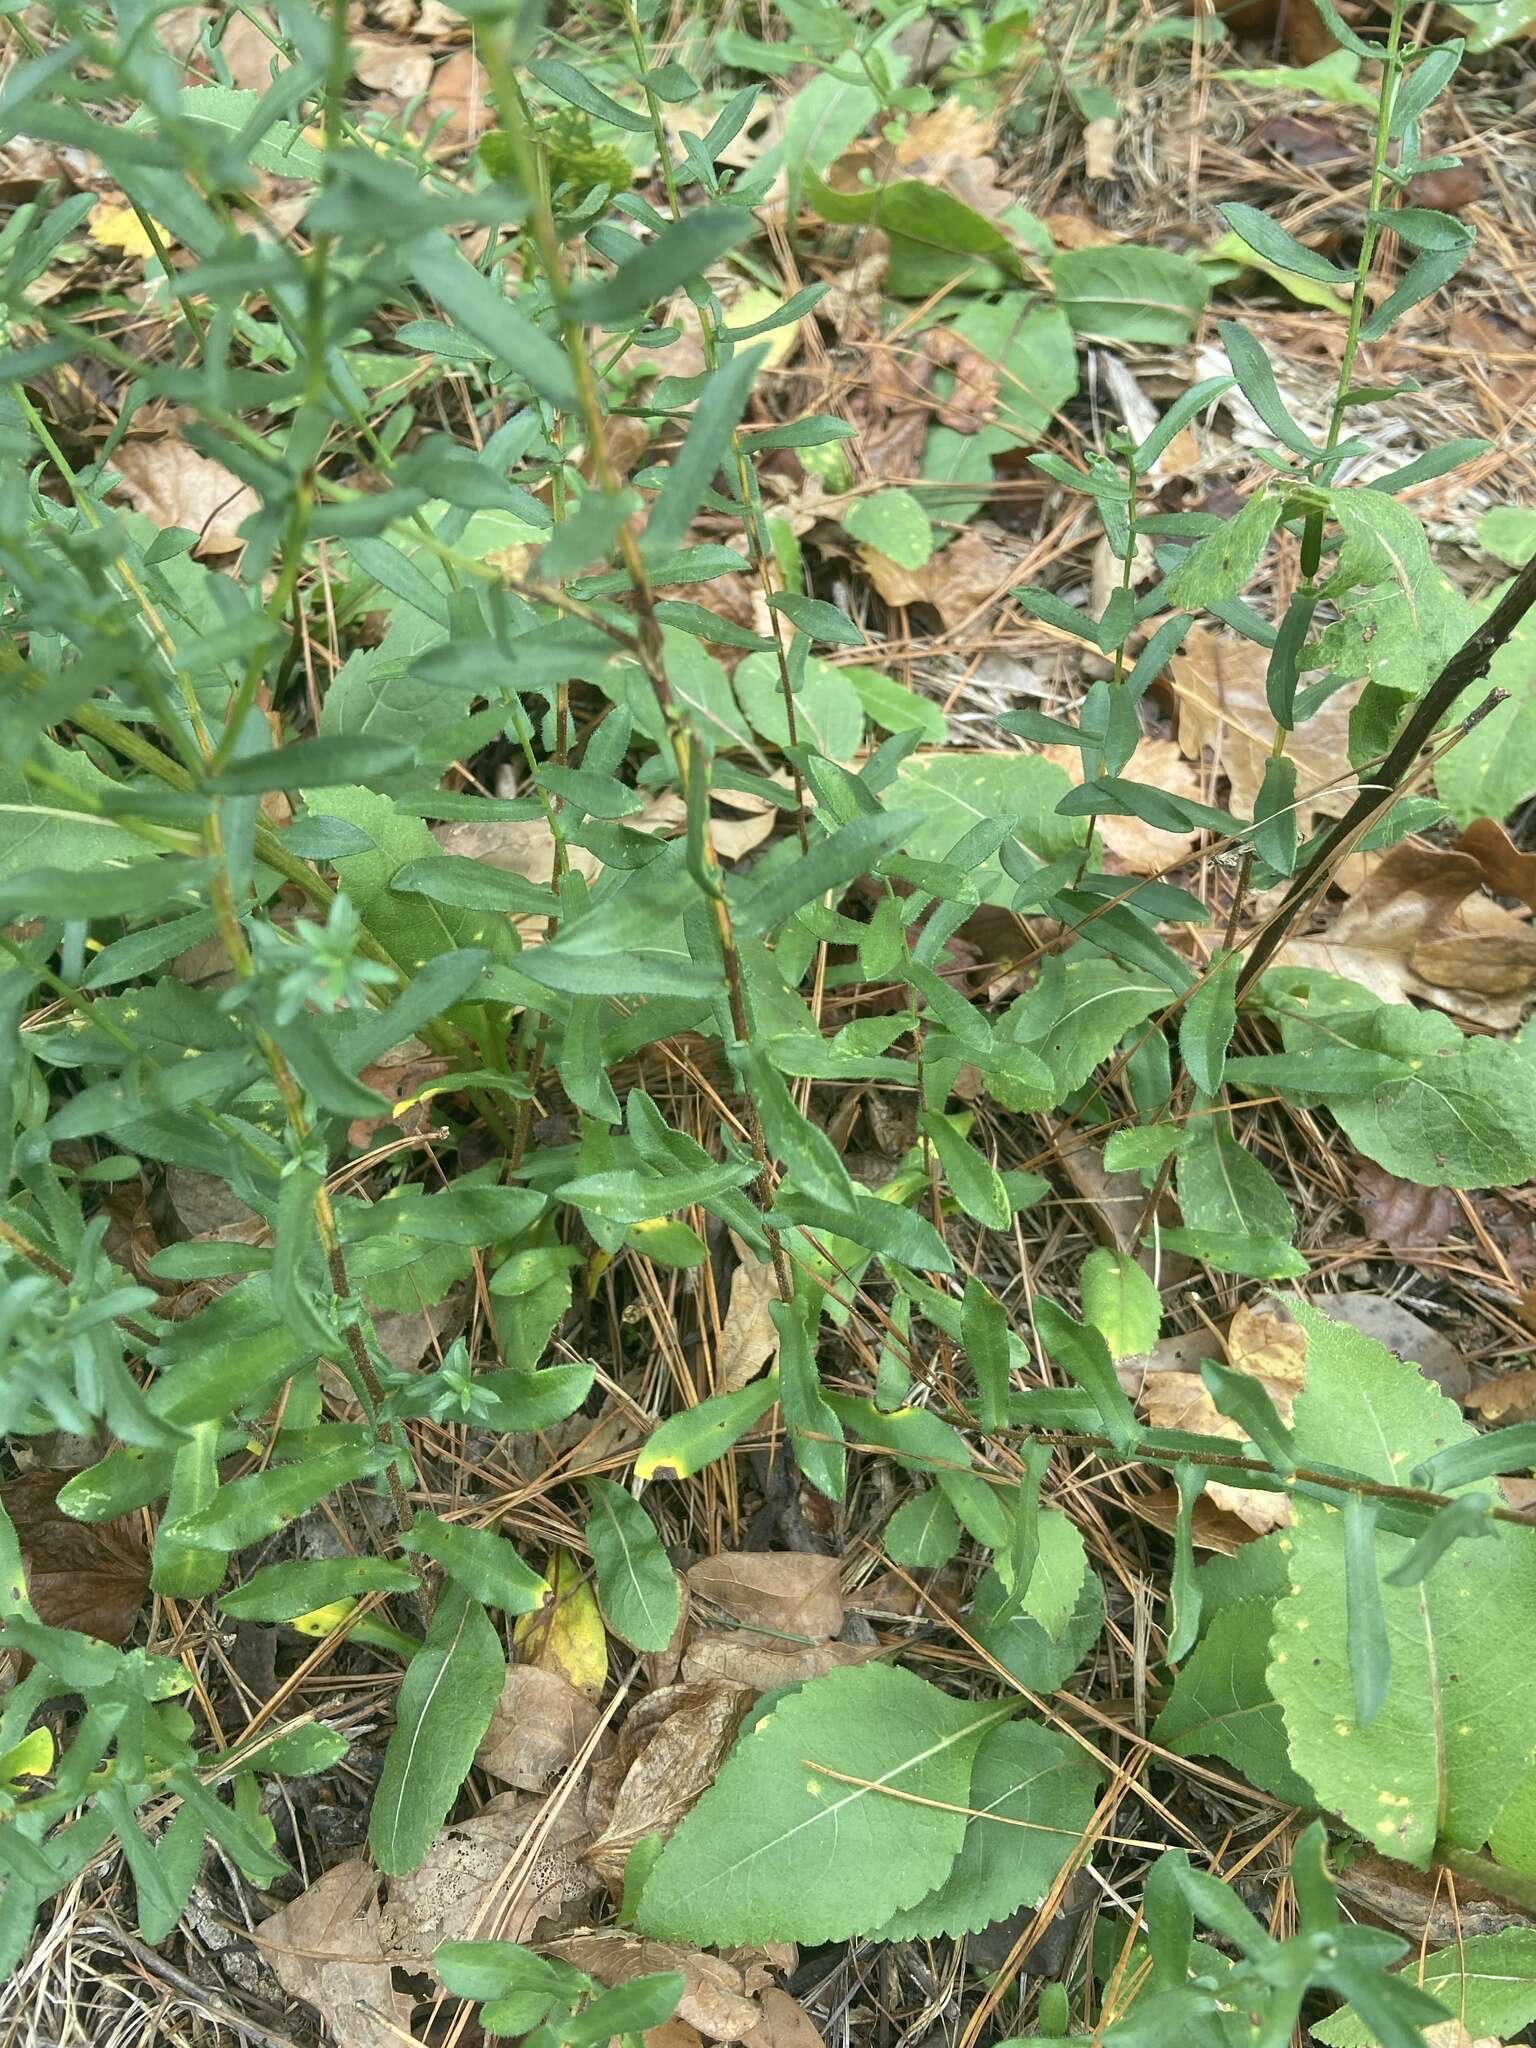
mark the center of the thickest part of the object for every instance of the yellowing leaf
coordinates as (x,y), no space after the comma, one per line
(31,1758)
(117,226)
(566,1636)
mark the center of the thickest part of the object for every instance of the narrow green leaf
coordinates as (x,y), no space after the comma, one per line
(1271,241)
(1370,1652)
(695,1437)
(1207,1021)
(483,1563)
(984,1331)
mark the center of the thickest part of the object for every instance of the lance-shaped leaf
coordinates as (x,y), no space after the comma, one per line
(636,1585)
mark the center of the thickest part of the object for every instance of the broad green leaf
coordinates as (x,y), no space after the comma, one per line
(1121,1302)
(1018,1642)
(442,1710)
(1045,1784)
(1056,1580)
(636,1585)
(1492,770)
(936,240)
(779,1849)
(1078,1011)
(1221,1705)
(1226,1189)
(1030,344)
(1220,566)
(957,791)
(893,707)
(278,1592)
(1451,1737)
(40,828)
(483,1563)
(1123,292)
(923,1532)
(973,1180)
(894,524)
(1487,1981)
(828,713)
(414,930)
(1334,78)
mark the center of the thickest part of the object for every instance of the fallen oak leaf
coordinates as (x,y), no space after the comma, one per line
(172,485)
(537,1728)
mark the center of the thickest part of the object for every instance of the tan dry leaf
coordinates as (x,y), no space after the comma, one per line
(673,2034)
(749,1339)
(1219,680)
(790,1592)
(1506,870)
(958,581)
(325,1948)
(1509,1398)
(1099,139)
(1212,1528)
(784,2024)
(389,67)
(537,1728)
(1401,1213)
(1178,1400)
(172,485)
(1268,1345)
(1420,927)
(668,1763)
(252,48)
(90,1576)
(1133,846)
(745,1658)
(458,1892)
(455,108)
(714,1996)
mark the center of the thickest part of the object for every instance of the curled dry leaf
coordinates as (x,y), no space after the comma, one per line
(1510,1398)
(1419,926)
(788,1592)
(172,485)
(669,1751)
(463,1889)
(326,1949)
(715,1998)
(537,1728)
(1212,1528)
(1420,1904)
(90,1576)
(749,1339)
(1401,1213)
(1219,681)
(1506,870)
(747,1659)
(389,67)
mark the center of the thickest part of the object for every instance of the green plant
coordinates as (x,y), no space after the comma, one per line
(161,788)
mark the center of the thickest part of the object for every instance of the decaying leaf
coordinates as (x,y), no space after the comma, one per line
(1220,684)
(1212,1528)
(669,1750)
(784,2024)
(715,1997)
(463,1889)
(789,1593)
(749,1338)
(389,67)
(538,1727)
(744,1658)
(566,1635)
(1400,1212)
(326,1949)
(90,1576)
(1420,927)
(1378,1316)
(172,485)
(1178,1400)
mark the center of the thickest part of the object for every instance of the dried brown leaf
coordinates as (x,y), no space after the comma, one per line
(956,582)
(791,1593)
(714,1996)
(460,1890)
(749,1339)
(1420,927)
(1266,1343)
(747,1659)
(1509,1398)
(90,1576)
(1401,1213)
(172,485)
(389,67)
(537,1728)
(1219,680)
(1506,870)
(1376,1315)
(784,2024)
(1178,1400)
(326,1949)
(455,108)
(668,1763)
